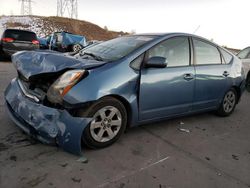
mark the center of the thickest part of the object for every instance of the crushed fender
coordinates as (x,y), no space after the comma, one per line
(48,125)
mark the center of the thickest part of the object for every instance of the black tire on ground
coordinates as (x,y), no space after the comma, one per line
(105,103)
(4,57)
(228,103)
(248,82)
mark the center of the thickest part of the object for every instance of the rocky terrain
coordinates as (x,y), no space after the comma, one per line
(46,25)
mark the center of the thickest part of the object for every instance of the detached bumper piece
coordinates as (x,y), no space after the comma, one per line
(49,125)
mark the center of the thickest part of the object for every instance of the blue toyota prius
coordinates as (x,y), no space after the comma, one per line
(93,96)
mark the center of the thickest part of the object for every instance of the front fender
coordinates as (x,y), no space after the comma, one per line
(116,79)
(49,125)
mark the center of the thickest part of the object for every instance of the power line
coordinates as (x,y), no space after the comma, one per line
(26,8)
(67,8)
(196,29)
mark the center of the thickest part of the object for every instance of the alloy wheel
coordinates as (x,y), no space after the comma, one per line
(106,124)
(77,48)
(229,101)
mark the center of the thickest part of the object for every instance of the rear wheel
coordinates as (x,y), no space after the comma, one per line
(76,47)
(109,122)
(228,103)
(248,83)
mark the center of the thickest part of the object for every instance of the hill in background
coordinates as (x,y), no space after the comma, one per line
(43,26)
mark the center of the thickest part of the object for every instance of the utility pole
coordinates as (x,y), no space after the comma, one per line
(26,8)
(67,8)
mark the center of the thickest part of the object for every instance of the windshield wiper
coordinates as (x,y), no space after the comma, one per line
(98,58)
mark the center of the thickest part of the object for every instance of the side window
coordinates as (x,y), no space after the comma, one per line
(175,50)
(244,53)
(136,63)
(227,56)
(59,37)
(206,53)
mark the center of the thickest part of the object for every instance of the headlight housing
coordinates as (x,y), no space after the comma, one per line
(63,84)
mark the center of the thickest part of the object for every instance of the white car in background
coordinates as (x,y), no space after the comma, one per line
(244,55)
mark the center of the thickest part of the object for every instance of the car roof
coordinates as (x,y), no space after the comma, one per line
(177,34)
(62,32)
(18,30)
(245,48)
(170,33)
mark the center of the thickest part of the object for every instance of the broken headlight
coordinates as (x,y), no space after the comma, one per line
(63,84)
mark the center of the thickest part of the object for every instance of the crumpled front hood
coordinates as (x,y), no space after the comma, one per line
(31,63)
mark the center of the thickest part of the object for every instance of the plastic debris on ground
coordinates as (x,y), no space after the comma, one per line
(184,130)
(82,160)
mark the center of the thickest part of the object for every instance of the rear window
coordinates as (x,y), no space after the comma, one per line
(227,56)
(20,35)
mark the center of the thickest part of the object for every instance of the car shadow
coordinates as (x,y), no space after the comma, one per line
(177,123)
(5,59)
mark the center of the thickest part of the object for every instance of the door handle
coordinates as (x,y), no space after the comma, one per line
(188,77)
(225,73)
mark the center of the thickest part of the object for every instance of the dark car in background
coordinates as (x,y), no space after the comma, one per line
(13,40)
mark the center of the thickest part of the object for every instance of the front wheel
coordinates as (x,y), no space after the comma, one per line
(228,103)
(108,123)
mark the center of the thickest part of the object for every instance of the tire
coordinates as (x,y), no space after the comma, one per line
(76,47)
(248,83)
(108,124)
(228,103)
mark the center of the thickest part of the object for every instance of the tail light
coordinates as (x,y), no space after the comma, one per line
(7,39)
(35,42)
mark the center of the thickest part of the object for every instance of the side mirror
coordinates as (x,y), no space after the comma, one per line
(156,62)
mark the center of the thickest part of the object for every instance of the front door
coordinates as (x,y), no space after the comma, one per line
(167,91)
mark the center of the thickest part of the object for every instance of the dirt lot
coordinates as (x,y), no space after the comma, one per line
(215,153)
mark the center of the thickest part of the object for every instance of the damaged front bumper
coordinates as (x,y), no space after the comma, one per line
(49,125)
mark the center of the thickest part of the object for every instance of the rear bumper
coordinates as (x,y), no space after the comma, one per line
(49,125)
(10,52)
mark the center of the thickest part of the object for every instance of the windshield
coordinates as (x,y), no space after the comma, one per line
(116,48)
(244,53)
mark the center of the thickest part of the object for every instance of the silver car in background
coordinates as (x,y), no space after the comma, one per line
(244,55)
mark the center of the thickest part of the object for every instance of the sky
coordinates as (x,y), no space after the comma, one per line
(223,21)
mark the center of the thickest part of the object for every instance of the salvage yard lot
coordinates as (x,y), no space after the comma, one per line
(215,153)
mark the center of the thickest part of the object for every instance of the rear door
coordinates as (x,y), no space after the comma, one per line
(212,75)
(167,91)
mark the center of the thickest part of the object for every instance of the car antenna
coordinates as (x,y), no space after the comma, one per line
(197,28)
